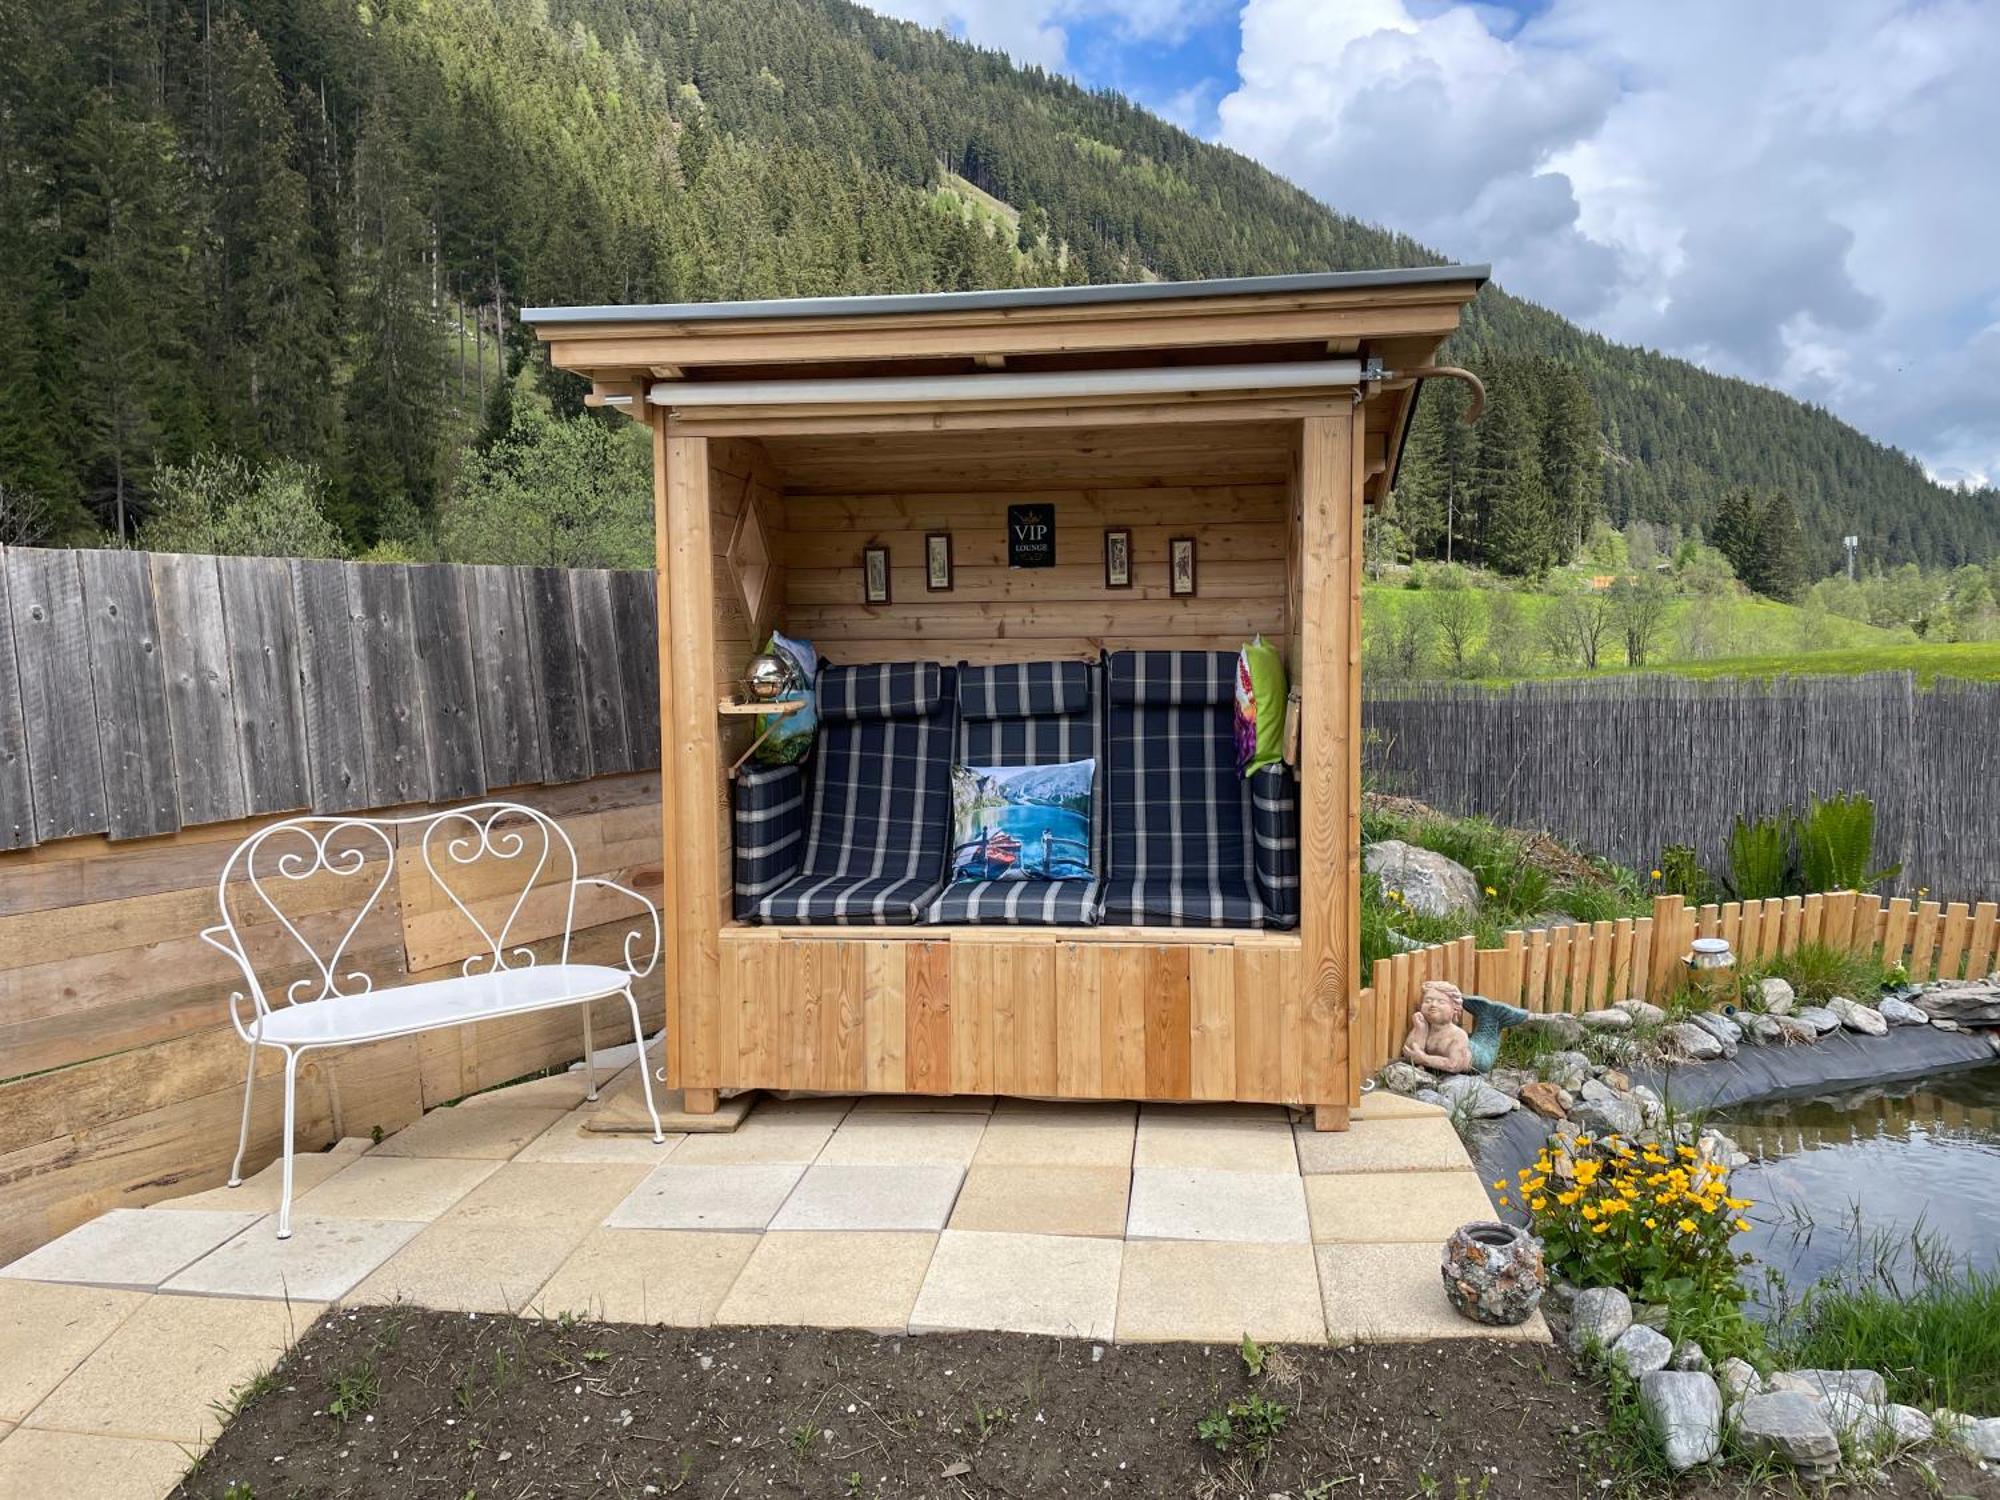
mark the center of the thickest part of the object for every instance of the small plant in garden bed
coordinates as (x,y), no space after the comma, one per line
(1817,972)
(1248,1425)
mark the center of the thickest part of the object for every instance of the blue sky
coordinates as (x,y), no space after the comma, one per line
(1800,192)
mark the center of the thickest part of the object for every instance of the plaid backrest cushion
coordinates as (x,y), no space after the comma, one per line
(882,785)
(1179,810)
(1274,822)
(885,690)
(768,830)
(1038,713)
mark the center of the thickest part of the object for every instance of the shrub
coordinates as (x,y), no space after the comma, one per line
(1837,843)
(1760,858)
(1681,873)
(1817,972)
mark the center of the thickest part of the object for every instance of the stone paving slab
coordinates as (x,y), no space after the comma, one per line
(1044,1200)
(1218,1143)
(1176,1290)
(1395,1293)
(621,1110)
(864,1197)
(133,1247)
(261,1191)
(831,1279)
(777,1133)
(322,1261)
(904,1140)
(46,1331)
(549,1194)
(1059,1136)
(60,1465)
(491,1133)
(1194,1203)
(1393,1207)
(571,1139)
(395,1187)
(1021,1283)
(1392,1145)
(157,1374)
(672,1276)
(564,1091)
(491,1266)
(1386,1104)
(676,1196)
(926,1104)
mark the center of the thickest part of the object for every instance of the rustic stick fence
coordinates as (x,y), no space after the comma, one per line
(141,693)
(1590,965)
(1627,766)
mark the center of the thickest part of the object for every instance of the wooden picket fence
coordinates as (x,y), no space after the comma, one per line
(1590,965)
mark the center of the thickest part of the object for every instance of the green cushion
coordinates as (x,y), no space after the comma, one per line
(1260,706)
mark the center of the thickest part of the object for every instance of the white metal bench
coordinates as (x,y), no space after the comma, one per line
(334,1004)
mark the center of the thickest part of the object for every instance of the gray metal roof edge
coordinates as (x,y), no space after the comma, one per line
(1006,297)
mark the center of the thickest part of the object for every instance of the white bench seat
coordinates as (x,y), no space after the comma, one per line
(434,1003)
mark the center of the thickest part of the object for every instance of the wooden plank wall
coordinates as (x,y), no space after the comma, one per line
(145,693)
(123,1076)
(993,613)
(1586,966)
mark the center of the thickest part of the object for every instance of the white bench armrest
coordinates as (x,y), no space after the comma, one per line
(638,934)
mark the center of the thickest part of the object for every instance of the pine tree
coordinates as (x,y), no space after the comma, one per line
(1516,523)
(1572,458)
(1781,571)
(1735,529)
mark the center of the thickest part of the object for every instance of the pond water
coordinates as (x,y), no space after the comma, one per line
(1841,1181)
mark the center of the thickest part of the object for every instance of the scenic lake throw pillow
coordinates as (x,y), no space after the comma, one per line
(1021,822)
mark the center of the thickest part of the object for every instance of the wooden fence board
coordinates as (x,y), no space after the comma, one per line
(558,676)
(635,612)
(128,684)
(264,665)
(603,680)
(336,747)
(51,643)
(17,798)
(445,676)
(201,693)
(510,732)
(385,675)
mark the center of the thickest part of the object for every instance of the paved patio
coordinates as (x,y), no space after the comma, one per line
(1136,1223)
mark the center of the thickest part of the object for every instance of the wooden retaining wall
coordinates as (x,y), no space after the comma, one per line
(156,709)
(1586,966)
(1629,765)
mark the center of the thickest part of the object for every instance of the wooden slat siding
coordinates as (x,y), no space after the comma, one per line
(558,676)
(129,688)
(634,607)
(510,735)
(1923,942)
(201,691)
(446,680)
(598,652)
(1896,933)
(1979,958)
(17,801)
(264,666)
(1212,1006)
(885,1023)
(51,643)
(1951,943)
(391,690)
(336,745)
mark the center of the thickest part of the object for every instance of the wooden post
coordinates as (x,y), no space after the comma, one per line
(656,424)
(1330,482)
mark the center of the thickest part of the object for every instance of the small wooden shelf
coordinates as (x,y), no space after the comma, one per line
(728,708)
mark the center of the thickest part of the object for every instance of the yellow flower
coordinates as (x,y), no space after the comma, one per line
(1503,1200)
(1686,1226)
(1538,1204)
(1739,1203)
(1599,1228)
(1499,1184)
(1568,1198)
(1742,1225)
(1650,1222)
(1590,1212)
(1491,892)
(1657,875)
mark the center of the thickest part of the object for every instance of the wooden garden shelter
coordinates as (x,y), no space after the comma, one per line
(1238,427)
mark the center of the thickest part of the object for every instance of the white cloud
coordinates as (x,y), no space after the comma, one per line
(1795,192)
(1035,31)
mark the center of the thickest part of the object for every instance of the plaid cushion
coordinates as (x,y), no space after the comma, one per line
(1071,903)
(888,690)
(1179,824)
(1042,713)
(1274,826)
(881,807)
(769,826)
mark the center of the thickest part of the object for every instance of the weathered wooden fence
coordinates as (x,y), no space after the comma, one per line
(1627,766)
(143,693)
(154,710)
(1586,966)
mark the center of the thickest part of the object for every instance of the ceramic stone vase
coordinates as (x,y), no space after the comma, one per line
(1493,1272)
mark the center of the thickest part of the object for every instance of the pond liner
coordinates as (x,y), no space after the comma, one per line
(1839,1061)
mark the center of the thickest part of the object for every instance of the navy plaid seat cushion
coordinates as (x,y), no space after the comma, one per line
(881,800)
(1181,848)
(1274,824)
(1042,713)
(768,831)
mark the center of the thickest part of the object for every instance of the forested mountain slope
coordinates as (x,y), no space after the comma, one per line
(265,231)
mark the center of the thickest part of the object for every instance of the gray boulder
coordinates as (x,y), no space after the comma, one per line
(1605,1110)
(1433,1098)
(1724,1030)
(1739,1379)
(1819,1018)
(1564,1027)
(1797,1030)
(1868,1385)
(1719,1149)
(1764,1029)
(1650,1104)
(1640,1351)
(1689,1355)
(1600,1316)
(1510,1081)
(1691,1042)
(1902,1013)
(1983,1438)
(1863,1423)
(1778,996)
(1685,1409)
(1405,1078)
(1429,884)
(1475,1097)
(1912,1428)
(1642,1012)
(1943,1025)
(1568,1070)
(1966,1001)
(1606,1020)
(1790,1427)
(1857,1017)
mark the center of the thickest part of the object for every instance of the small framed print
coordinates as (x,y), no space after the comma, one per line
(874,575)
(1117,557)
(937,562)
(1180,566)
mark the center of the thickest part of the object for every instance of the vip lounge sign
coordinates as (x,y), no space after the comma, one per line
(1031,536)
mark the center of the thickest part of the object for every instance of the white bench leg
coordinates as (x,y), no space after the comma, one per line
(589,1055)
(243,1131)
(291,1096)
(645,1068)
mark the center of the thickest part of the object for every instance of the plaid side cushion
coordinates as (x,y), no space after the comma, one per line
(884,690)
(1070,903)
(1274,828)
(768,825)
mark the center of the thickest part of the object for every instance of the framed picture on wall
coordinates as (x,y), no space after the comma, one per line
(937,562)
(1118,557)
(874,575)
(1180,567)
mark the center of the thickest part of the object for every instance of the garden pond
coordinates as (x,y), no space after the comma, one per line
(1841,1181)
